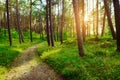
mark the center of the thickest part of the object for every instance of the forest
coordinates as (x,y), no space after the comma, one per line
(59,40)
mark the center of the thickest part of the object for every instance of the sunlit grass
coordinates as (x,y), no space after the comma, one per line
(101,62)
(51,52)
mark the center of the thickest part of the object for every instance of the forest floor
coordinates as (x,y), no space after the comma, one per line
(28,66)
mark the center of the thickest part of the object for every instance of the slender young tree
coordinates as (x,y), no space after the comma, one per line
(117,21)
(8,24)
(109,19)
(77,20)
(31,20)
(51,25)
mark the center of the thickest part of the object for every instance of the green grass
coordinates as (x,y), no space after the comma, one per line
(101,62)
(8,54)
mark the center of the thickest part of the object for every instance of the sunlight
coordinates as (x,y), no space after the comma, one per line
(19,71)
(52,52)
(86,18)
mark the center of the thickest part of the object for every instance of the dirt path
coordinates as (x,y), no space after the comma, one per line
(28,67)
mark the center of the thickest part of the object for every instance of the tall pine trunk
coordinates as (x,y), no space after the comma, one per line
(117,22)
(62,23)
(93,20)
(77,20)
(104,20)
(51,26)
(5,23)
(83,23)
(97,21)
(31,20)
(18,23)
(47,23)
(8,24)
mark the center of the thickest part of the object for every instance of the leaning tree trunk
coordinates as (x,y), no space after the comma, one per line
(31,20)
(117,22)
(77,20)
(8,24)
(109,19)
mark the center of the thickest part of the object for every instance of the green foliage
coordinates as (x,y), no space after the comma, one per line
(100,63)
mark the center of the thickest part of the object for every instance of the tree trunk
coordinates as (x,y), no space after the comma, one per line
(47,23)
(87,27)
(109,19)
(51,26)
(117,22)
(93,20)
(62,23)
(77,20)
(31,20)
(58,20)
(18,23)
(104,20)
(5,23)
(97,21)
(8,24)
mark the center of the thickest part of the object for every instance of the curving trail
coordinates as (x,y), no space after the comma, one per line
(28,67)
